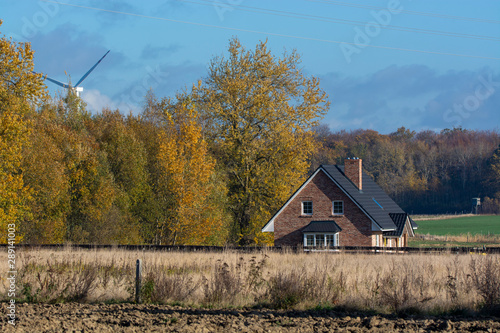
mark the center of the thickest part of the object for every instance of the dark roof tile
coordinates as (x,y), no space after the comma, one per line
(399,220)
(322,226)
(371,198)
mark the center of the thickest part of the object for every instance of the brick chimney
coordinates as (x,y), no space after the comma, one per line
(353,169)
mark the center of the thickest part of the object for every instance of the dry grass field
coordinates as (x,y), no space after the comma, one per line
(385,283)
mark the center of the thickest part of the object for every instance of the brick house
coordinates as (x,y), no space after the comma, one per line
(340,206)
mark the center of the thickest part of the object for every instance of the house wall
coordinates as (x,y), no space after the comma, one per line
(321,190)
(378,234)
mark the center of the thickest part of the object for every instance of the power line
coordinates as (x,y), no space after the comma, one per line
(340,21)
(411,12)
(270,33)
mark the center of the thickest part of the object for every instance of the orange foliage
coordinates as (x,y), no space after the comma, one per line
(187,171)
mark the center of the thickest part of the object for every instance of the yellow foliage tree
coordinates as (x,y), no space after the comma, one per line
(20,92)
(45,173)
(258,111)
(187,179)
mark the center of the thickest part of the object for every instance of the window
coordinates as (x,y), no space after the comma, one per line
(321,240)
(330,240)
(338,208)
(307,208)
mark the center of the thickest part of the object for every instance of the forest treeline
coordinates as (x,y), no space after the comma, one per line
(211,165)
(425,172)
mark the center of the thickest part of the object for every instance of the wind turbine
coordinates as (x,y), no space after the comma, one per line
(76,88)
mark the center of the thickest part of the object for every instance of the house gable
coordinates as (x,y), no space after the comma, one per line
(403,223)
(289,222)
(269,227)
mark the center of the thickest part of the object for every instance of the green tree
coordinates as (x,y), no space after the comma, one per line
(258,112)
(147,130)
(127,160)
(95,207)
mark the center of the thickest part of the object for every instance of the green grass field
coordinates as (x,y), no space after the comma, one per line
(473,225)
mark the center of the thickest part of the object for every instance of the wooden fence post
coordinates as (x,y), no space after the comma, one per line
(138,275)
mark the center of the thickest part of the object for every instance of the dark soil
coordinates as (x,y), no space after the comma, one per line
(76,317)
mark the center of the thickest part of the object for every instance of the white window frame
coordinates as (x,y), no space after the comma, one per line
(332,237)
(303,210)
(333,207)
(306,240)
(336,239)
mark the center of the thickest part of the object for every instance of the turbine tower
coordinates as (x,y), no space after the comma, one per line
(77,87)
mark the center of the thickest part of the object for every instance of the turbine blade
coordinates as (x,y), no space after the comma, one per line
(59,83)
(90,70)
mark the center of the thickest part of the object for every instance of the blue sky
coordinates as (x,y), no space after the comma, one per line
(384,64)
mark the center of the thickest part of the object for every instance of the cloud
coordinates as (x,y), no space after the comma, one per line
(413,96)
(67,49)
(96,101)
(154,52)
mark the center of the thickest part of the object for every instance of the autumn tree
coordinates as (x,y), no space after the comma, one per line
(20,93)
(45,172)
(491,203)
(331,148)
(190,194)
(258,111)
(127,161)
(99,212)
(76,197)
(493,178)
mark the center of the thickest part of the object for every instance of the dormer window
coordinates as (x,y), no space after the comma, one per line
(307,208)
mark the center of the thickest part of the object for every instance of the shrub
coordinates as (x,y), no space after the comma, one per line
(57,281)
(159,287)
(255,277)
(485,275)
(225,284)
(404,288)
(323,288)
(286,289)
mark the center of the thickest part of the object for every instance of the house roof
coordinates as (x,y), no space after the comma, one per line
(413,224)
(372,200)
(322,226)
(399,220)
